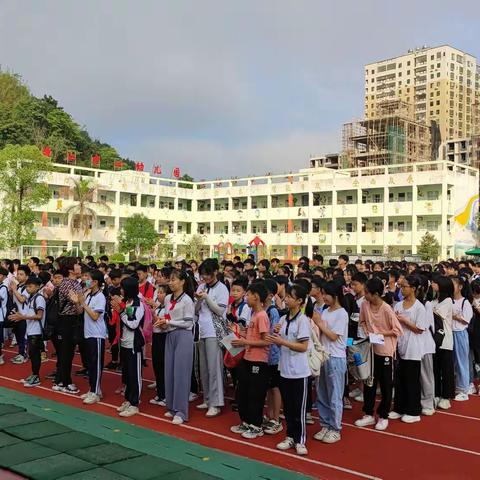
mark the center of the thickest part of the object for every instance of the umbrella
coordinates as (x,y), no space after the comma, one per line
(473,251)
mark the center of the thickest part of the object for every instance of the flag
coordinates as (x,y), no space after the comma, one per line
(157,170)
(47,151)
(176,172)
(139,166)
(117,164)
(96,160)
(71,156)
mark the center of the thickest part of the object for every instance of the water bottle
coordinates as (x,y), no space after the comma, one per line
(357,358)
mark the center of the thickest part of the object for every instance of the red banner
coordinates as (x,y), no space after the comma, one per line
(96,160)
(139,166)
(71,157)
(47,151)
(117,164)
(176,172)
(157,170)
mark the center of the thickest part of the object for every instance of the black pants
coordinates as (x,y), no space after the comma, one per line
(20,330)
(82,348)
(251,391)
(408,388)
(95,356)
(158,361)
(35,345)
(132,373)
(294,397)
(443,371)
(310,394)
(195,375)
(69,335)
(383,374)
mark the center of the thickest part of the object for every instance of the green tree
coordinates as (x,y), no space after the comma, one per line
(83,214)
(22,190)
(138,234)
(429,248)
(186,178)
(194,247)
(164,247)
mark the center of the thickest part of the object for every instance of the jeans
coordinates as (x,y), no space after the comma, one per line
(460,353)
(330,387)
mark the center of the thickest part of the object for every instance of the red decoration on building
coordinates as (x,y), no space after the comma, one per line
(176,172)
(47,151)
(96,160)
(139,166)
(117,164)
(157,170)
(71,157)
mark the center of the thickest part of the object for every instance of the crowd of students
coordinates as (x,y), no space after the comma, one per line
(263,327)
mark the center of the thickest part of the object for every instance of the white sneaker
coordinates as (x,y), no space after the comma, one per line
(381,424)
(85,395)
(428,412)
(471,389)
(129,411)
(365,421)
(347,404)
(286,444)
(444,404)
(410,418)
(157,401)
(273,427)
(2,360)
(331,437)
(168,414)
(91,399)
(309,420)
(394,415)
(301,449)
(321,434)
(152,386)
(57,387)
(123,406)
(202,406)
(19,360)
(177,420)
(461,397)
(355,393)
(239,429)
(253,432)
(213,412)
(359,398)
(192,397)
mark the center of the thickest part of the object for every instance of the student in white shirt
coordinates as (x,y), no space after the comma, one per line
(462,316)
(33,314)
(333,327)
(211,306)
(412,315)
(3,307)
(94,304)
(18,289)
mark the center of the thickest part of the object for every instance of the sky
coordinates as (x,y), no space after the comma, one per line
(219,88)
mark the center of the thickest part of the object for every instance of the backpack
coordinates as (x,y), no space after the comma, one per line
(51,315)
(147,328)
(360,360)
(10,308)
(316,354)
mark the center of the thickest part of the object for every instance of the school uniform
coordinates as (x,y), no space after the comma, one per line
(20,327)
(34,330)
(159,337)
(3,311)
(461,347)
(274,353)
(132,342)
(178,353)
(95,332)
(427,376)
(410,351)
(294,373)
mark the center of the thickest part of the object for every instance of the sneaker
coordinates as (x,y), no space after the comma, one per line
(157,401)
(123,406)
(19,360)
(444,404)
(177,420)
(82,373)
(286,444)
(111,365)
(168,414)
(394,415)
(13,343)
(281,416)
(428,411)
(461,397)
(239,429)
(301,449)
(410,418)
(382,424)
(202,406)
(347,404)
(26,380)
(192,397)
(152,386)
(359,398)
(321,434)
(91,399)
(471,389)
(2,360)
(365,421)
(57,387)
(331,437)
(44,357)
(72,389)
(85,395)
(253,432)
(273,427)
(309,419)
(34,381)
(355,393)
(436,401)
(129,411)
(213,412)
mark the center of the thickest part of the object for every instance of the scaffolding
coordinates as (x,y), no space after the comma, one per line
(393,136)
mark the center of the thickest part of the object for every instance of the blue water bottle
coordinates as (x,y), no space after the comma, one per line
(357,358)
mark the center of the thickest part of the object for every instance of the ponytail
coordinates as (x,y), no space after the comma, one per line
(188,286)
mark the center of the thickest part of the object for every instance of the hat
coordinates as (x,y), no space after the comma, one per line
(179,259)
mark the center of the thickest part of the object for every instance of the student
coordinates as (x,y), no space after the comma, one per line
(443,363)
(159,338)
(212,301)
(376,317)
(145,287)
(95,331)
(293,335)
(253,372)
(113,289)
(462,316)
(412,315)
(131,313)
(333,326)
(34,265)
(33,314)
(178,323)
(474,335)
(3,307)
(18,289)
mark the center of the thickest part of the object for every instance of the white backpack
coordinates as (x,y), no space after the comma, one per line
(316,354)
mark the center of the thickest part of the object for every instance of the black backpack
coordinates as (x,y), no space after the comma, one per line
(51,315)
(11,308)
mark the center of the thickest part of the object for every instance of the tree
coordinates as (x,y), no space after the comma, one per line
(194,247)
(22,190)
(186,178)
(138,234)
(429,248)
(83,214)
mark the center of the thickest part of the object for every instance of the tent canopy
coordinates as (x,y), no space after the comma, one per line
(474,251)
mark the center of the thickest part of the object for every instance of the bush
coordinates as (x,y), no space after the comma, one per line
(116,257)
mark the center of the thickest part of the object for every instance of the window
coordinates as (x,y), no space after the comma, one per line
(377,198)
(349,199)
(349,227)
(378,226)
(432,195)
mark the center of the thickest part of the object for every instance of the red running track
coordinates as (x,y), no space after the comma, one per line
(444,446)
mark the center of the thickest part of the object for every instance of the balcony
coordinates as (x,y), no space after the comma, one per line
(428,207)
(399,208)
(370,238)
(345,238)
(398,237)
(371,210)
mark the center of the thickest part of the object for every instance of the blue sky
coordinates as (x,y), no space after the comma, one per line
(219,88)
